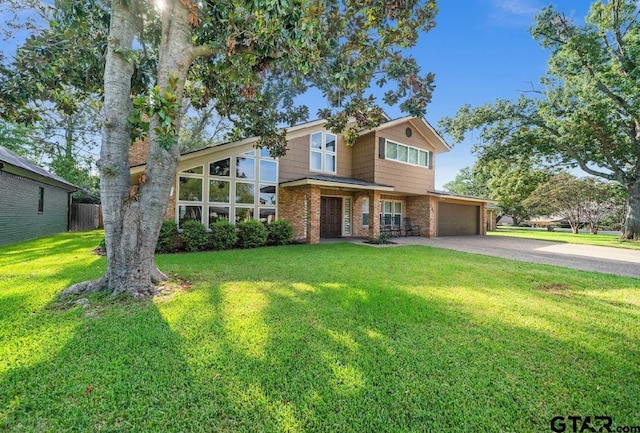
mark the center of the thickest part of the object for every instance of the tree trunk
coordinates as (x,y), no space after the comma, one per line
(133,214)
(631,228)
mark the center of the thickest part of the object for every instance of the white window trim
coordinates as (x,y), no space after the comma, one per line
(233,180)
(428,152)
(323,152)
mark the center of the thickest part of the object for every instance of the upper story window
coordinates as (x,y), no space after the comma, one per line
(407,154)
(323,152)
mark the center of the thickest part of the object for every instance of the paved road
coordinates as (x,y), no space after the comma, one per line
(607,260)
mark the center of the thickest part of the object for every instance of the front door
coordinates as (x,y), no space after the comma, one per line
(330,217)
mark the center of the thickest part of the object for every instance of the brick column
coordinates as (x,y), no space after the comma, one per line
(313,231)
(433,217)
(374,214)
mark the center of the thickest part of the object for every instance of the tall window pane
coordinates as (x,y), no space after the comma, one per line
(245,168)
(316,140)
(267,195)
(413,155)
(190,189)
(402,153)
(423,159)
(330,143)
(392,151)
(245,193)
(268,171)
(330,163)
(219,191)
(316,161)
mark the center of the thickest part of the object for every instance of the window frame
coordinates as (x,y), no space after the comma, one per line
(253,163)
(323,152)
(405,150)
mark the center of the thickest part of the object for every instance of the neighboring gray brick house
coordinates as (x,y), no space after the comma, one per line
(33,202)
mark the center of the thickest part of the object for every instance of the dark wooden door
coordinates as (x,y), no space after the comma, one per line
(330,217)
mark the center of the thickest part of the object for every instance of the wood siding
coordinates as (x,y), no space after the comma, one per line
(406,178)
(295,164)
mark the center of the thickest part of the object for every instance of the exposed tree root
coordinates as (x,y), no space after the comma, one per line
(86,287)
(139,290)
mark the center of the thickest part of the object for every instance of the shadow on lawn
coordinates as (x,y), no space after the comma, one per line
(309,355)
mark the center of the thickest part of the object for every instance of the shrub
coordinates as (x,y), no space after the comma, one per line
(251,234)
(102,247)
(223,235)
(168,231)
(194,236)
(279,232)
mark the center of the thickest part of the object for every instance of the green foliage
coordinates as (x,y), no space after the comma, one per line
(102,246)
(194,236)
(585,113)
(224,235)
(470,181)
(251,234)
(578,200)
(279,232)
(166,238)
(162,103)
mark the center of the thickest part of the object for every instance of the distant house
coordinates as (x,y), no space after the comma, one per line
(33,202)
(323,187)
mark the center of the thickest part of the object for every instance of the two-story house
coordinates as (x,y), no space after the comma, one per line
(323,187)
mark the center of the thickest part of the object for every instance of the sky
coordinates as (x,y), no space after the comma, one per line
(480,51)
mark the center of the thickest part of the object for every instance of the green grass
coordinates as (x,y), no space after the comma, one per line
(602,239)
(332,337)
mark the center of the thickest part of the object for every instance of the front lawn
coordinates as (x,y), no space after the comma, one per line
(601,239)
(333,337)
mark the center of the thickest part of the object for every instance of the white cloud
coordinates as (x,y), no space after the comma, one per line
(513,12)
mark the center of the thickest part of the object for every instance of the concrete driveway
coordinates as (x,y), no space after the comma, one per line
(607,260)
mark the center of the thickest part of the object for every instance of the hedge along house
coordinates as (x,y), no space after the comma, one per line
(33,202)
(323,187)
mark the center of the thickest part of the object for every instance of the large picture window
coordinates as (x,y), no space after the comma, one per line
(235,188)
(323,152)
(407,154)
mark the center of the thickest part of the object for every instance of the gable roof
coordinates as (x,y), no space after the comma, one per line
(14,164)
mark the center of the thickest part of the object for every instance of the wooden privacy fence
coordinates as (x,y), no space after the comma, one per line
(85,216)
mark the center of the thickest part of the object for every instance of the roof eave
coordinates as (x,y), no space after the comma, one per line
(336,184)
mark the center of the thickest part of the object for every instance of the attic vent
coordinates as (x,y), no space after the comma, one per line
(408,132)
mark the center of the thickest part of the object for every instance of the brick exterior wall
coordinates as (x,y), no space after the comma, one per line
(292,208)
(138,153)
(417,208)
(357,229)
(19,216)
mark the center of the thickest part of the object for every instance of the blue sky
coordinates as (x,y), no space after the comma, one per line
(481,50)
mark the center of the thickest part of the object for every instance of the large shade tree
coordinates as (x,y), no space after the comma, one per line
(250,59)
(586,113)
